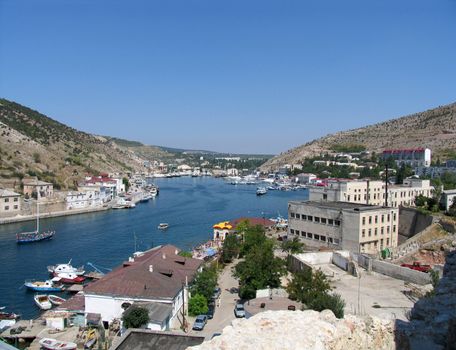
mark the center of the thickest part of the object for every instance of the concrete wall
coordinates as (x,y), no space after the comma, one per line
(399,272)
(276,292)
(316,258)
(341,259)
(411,221)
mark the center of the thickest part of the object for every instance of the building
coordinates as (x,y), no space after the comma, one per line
(415,157)
(306,178)
(371,192)
(158,276)
(112,186)
(222,229)
(436,171)
(343,225)
(94,197)
(448,198)
(35,187)
(10,202)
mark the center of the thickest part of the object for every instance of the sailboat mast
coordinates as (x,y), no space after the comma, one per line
(37,217)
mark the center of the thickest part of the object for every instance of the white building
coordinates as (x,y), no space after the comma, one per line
(448,198)
(415,157)
(10,202)
(113,185)
(343,225)
(371,192)
(157,276)
(232,172)
(306,178)
(86,199)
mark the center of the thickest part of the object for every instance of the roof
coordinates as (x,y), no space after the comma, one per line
(224,225)
(410,150)
(253,221)
(75,303)
(142,339)
(339,205)
(99,179)
(34,182)
(8,193)
(158,273)
(158,312)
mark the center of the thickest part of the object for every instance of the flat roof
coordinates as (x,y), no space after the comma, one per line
(339,205)
(142,339)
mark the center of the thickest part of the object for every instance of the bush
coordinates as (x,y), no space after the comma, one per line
(230,248)
(197,305)
(135,317)
(326,301)
(185,254)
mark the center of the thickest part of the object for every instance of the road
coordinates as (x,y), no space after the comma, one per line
(224,312)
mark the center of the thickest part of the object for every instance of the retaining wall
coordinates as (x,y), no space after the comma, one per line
(401,273)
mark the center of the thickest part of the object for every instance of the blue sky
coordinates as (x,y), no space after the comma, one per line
(233,76)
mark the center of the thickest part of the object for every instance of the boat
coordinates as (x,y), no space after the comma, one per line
(56,300)
(34,236)
(54,344)
(123,203)
(261,191)
(163,226)
(46,286)
(66,268)
(42,300)
(7,319)
(90,338)
(68,277)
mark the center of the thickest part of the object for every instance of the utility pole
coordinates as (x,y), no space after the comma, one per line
(386,185)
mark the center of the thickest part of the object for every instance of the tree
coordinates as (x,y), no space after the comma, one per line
(253,236)
(197,305)
(403,172)
(325,301)
(452,209)
(185,254)
(230,248)
(205,282)
(126,182)
(421,201)
(135,317)
(294,246)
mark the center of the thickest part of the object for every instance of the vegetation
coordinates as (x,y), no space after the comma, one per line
(135,317)
(348,148)
(427,203)
(294,246)
(197,305)
(259,269)
(126,182)
(185,254)
(205,282)
(230,248)
(312,289)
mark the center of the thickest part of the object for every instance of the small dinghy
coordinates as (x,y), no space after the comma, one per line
(54,344)
(42,300)
(46,286)
(163,226)
(54,299)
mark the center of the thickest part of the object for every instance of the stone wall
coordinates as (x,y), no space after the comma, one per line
(412,221)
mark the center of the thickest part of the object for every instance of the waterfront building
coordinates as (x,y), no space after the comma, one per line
(94,197)
(306,178)
(10,202)
(371,192)
(158,277)
(448,198)
(342,225)
(113,186)
(415,157)
(33,186)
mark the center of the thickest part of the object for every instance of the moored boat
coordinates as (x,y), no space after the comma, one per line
(66,268)
(261,191)
(68,277)
(54,344)
(46,286)
(163,226)
(34,236)
(43,302)
(56,300)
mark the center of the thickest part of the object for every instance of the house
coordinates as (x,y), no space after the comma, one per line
(342,225)
(39,188)
(112,186)
(158,276)
(414,157)
(306,178)
(85,199)
(10,202)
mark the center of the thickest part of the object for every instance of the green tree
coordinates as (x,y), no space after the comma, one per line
(421,201)
(205,282)
(294,246)
(135,317)
(259,270)
(230,248)
(185,254)
(197,305)
(253,236)
(325,301)
(403,172)
(126,182)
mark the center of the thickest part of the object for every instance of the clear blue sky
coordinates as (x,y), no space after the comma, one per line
(235,76)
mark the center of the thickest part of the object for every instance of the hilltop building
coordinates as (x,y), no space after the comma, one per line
(157,277)
(342,225)
(415,157)
(10,202)
(371,192)
(437,171)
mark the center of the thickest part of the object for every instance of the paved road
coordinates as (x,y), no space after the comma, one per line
(224,313)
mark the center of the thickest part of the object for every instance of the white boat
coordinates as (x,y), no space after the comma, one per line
(261,191)
(43,302)
(66,268)
(163,226)
(56,300)
(54,344)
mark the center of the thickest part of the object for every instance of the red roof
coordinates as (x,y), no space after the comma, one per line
(253,222)
(99,179)
(135,279)
(410,150)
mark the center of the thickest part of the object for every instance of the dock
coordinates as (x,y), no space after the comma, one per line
(75,288)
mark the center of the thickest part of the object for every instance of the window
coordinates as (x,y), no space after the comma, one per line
(348,198)
(6,200)
(297,232)
(303,234)
(394,228)
(330,222)
(330,240)
(336,240)
(337,222)
(381,243)
(381,230)
(16,199)
(323,221)
(376,219)
(383,218)
(309,235)
(364,220)
(375,231)
(303,217)
(323,238)
(15,207)
(387,229)
(387,241)
(292,231)
(370,219)
(317,237)
(292,215)
(370,232)
(7,207)
(388,217)
(298,216)
(317,219)
(363,233)
(394,217)
(309,217)
(325,196)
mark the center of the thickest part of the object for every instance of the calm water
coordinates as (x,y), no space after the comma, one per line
(190,205)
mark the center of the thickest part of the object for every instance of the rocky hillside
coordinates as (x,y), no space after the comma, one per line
(435,129)
(34,144)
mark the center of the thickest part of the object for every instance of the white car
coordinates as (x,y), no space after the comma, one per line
(239,310)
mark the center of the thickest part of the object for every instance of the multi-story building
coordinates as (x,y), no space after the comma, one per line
(342,225)
(436,171)
(414,157)
(94,197)
(10,202)
(371,192)
(39,188)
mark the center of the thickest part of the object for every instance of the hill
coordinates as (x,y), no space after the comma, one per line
(34,144)
(434,129)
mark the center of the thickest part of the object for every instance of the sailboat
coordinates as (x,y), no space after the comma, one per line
(34,236)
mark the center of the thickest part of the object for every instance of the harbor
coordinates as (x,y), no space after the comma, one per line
(191,206)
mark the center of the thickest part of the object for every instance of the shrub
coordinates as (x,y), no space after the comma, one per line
(197,305)
(326,301)
(135,317)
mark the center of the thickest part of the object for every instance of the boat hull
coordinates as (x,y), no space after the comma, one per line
(53,344)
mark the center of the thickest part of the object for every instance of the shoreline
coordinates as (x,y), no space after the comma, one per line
(24,218)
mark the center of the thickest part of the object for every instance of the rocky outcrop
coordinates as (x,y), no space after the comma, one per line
(304,330)
(433,319)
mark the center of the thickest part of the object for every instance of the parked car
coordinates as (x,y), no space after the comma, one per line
(210,311)
(199,323)
(239,310)
(216,294)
